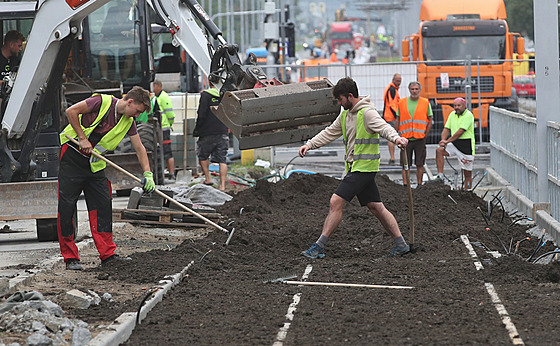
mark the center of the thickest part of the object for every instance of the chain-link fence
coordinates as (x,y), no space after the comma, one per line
(481,82)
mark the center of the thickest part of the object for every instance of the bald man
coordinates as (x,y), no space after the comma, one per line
(460,125)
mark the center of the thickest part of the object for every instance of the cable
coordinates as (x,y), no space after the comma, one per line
(546,254)
(286,167)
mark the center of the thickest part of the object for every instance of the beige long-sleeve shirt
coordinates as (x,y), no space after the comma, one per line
(372,122)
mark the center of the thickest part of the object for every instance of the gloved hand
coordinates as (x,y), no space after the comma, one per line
(195,132)
(148,182)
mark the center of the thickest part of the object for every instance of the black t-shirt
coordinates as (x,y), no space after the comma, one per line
(207,123)
(7,65)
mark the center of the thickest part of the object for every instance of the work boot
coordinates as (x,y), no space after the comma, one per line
(315,251)
(114,259)
(399,251)
(73,264)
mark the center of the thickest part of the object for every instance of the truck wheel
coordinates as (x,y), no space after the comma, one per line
(47,228)
(146,133)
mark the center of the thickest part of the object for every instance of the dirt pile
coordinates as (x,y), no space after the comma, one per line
(226,299)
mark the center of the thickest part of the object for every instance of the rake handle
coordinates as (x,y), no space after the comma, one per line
(410,203)
(114,165)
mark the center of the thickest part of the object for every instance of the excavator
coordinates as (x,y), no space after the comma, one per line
(259,111)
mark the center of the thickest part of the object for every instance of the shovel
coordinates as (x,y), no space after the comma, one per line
(410,205)
(183,176)
(132,176)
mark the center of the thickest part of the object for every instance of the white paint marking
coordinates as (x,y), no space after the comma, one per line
(468,244)
(307,272)
(283,332)
(506,320)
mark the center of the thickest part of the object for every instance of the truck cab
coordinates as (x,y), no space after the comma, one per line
(464,49)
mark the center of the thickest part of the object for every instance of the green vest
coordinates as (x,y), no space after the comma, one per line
(366,146)
(166,108)
(109,141)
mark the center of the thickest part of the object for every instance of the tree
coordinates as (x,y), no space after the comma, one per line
(520,17)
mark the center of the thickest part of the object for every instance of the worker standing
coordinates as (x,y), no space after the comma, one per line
(99,123)
(162,102)
(390,107)
(360,125)
(460,125)
(213,138)
(414,121)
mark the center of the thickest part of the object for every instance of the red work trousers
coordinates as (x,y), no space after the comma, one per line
(75,177)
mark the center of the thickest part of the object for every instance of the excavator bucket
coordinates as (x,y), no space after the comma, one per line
(281,114)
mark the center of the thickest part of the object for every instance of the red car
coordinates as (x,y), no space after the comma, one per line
(525,85)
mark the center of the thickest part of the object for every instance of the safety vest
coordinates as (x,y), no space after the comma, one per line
(390,104)
(166,108)
(414,127)
(366,146)
(109,141)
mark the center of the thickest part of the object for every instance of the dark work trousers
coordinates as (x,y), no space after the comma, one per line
(75,176)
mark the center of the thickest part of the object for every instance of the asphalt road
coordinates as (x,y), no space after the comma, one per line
(20,247)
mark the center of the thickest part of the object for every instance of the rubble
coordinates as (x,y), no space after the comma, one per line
(29,313)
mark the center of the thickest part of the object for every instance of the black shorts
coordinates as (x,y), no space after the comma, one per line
(361,184)
(215,145)
(419,148)
(167,153)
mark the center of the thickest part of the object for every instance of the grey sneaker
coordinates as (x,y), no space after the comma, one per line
(315,251)
(399,251)
(73,264)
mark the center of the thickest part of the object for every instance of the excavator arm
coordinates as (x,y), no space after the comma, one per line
(260,112)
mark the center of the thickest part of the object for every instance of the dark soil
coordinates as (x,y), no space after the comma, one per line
(226,299)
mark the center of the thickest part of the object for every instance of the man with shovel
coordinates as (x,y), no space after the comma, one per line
(360,125)
(99,123)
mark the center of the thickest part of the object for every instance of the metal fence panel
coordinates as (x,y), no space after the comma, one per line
(513,154)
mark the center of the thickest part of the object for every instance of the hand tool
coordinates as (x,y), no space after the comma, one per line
(109,162)
(410,204)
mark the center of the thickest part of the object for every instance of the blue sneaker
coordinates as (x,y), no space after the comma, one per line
(399,251)
(315,251)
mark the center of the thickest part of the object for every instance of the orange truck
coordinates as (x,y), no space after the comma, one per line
(463,48)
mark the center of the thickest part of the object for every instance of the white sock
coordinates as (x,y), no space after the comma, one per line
(440,175)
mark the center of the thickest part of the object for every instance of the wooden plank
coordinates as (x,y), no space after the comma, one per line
(165,212)
(170,224)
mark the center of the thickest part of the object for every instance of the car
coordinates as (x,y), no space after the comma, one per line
(525,85)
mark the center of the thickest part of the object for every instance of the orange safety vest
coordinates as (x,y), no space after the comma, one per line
(414,127)
(390,104)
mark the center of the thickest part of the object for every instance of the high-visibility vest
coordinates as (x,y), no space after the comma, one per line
(366,146)
(109,141)
(414,127)
(166,109)
(390,104)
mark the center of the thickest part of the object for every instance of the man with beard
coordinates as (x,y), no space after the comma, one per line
(13,44)
(360,125)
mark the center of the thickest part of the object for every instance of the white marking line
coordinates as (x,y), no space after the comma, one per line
(283,332)
(506,320)
(468,244)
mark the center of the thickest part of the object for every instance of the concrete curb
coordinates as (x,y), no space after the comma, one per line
(526,206)
(25,277)
(120,330)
